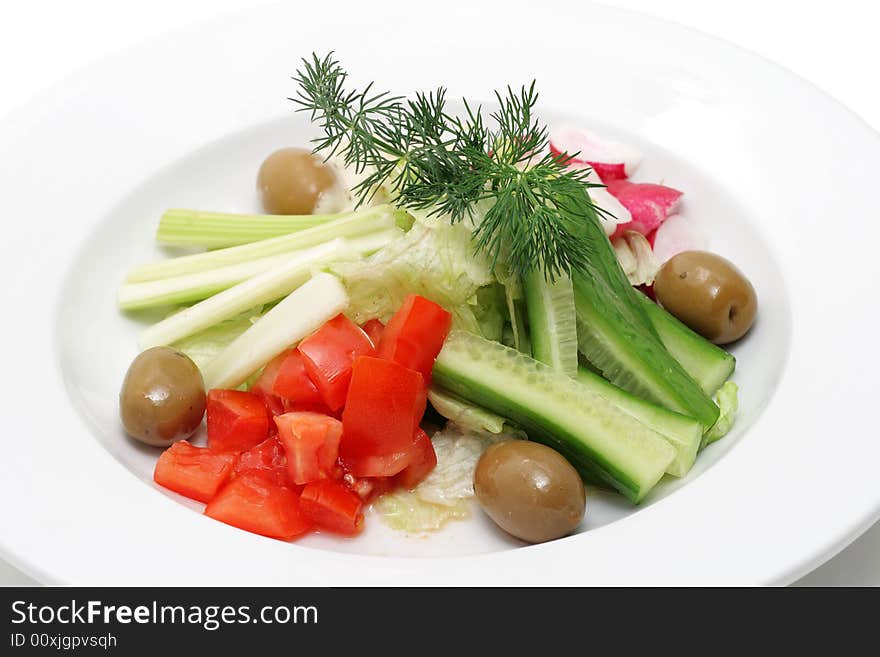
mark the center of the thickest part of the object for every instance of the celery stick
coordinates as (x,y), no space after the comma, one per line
(182,227)
(201,285)
(193,287)
(302,312)
(270,285)
(361,222)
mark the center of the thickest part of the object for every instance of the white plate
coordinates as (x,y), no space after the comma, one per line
(776,171)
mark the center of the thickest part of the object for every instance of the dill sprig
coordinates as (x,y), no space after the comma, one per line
(539,213)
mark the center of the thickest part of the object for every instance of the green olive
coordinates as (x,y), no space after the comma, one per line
(291,181)
(529,490)
(709,294)
(162,398)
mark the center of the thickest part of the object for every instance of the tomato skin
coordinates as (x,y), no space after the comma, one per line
(266,382)
(194,472)
(328,356)
(311,444)
(374,329)
(415,335)
(332,506)
(267,459)
(260,505)
(293,384)
(422,461)
(237,420)
(368,488)
(386,402)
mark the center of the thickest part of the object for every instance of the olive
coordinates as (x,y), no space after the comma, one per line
(709,294)
(162,398)
(291,181)
(529,490)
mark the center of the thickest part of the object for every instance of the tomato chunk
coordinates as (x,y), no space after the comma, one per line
(385,404)
(292,382)
(328,355)
(368,488)
(267,459)
(332,506)
(258,504)
(415,335)
(374,328)
(422,461)
(194,472)
(266,382)
(237,420)
(311,444)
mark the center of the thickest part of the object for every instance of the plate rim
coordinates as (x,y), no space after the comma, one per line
(831,546)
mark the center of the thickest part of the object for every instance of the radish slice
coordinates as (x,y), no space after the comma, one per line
(615,214)
(678,234)
(649,204)
(610,159)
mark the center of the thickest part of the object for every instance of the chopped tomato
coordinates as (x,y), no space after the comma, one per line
(332,506)
(415,334)
(385,404)
(374,328)
(258,504)
(236,420)
(311,443)
(368,488)
(328,355)
(285,386)
(267,458)
(194,472)
(293,384)
(421,463)
(264,385)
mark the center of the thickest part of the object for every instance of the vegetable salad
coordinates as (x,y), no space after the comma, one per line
(435,309)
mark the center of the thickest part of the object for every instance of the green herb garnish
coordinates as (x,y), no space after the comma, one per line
(535,213)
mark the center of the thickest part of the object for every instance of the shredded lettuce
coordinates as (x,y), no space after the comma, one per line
(445,494)
(437,262)
(406,511)
(727,399)
(204,346)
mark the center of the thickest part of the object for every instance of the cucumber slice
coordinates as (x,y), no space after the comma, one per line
(598,438)
(708,364)
(684,433)
(615,335)
(552,321)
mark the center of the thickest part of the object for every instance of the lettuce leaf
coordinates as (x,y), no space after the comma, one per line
(446,493)
(727,399)
(204,346)
(463,413)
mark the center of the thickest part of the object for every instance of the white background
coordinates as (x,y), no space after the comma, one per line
(834,45)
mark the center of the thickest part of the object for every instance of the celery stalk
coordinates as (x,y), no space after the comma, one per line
(195,286)
(302,312)
(361,222)
(183,227)
(268,286)
(201,285)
